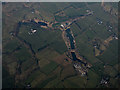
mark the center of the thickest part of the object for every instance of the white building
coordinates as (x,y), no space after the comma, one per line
(33,31)
(62,25)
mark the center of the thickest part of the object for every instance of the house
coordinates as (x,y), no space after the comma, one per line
(33,31)
(62,25)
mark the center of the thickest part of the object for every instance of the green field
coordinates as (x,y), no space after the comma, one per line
(43,37)
(110,56)
(49,67)
(42,59)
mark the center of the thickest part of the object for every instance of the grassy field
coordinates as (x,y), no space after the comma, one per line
(52,70)
(10,46)
(85,31)
(98,67)
(47,52)
(43,37)
(61,18)
(73,12)
(86,50)
(26,65)
(75,82)
(45,82)
(35,77)
(67,71)
(8,80)
(93,79)
(110,56)
(78,5)
(108,70)
(49,67)
(23,52)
